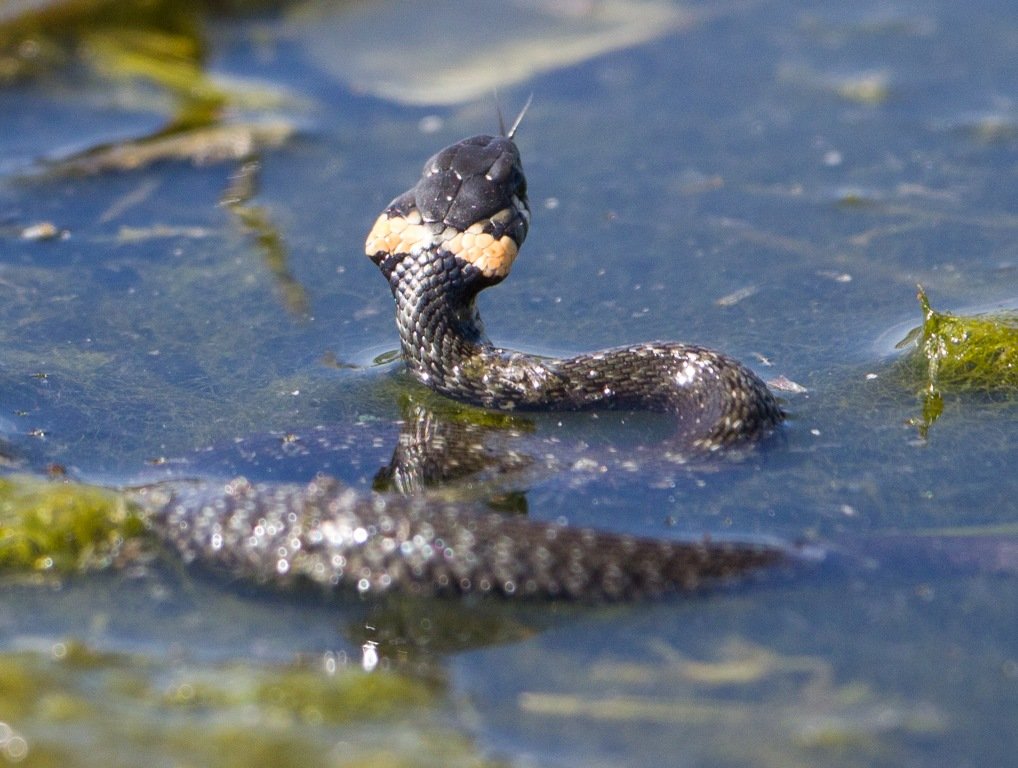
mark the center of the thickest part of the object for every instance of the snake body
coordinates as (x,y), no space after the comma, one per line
(456,232)
(330,535)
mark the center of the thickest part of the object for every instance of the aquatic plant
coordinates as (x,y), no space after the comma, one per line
(160,45)
(958,354)
(138,709)
(59,528)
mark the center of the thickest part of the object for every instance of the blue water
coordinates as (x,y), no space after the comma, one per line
(767,179)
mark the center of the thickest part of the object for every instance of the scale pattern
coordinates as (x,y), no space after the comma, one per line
(327,534)
(458,231)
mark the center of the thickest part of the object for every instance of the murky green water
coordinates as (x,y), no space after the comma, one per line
(768,179)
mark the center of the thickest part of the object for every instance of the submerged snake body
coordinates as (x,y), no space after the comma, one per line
(327,534)
(457,232)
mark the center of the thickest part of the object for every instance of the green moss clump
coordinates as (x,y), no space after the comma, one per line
(61,528)
(978,352)
(959,354)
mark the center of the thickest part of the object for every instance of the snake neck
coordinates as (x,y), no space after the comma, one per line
(439,326)
(444,343)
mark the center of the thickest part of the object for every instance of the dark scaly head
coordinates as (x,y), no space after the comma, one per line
(470,202)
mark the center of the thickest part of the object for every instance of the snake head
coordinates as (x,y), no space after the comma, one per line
(471,202)
(471,181)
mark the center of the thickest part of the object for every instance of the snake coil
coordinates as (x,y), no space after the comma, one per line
(457,232)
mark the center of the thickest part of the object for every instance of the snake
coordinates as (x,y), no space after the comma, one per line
(456,232)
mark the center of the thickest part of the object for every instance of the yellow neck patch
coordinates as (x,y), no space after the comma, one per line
(408,234)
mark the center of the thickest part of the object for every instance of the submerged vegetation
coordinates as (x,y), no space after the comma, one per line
(137,709)
(53,527)
(159,42)
(159,46)
(956,354)
(327,709)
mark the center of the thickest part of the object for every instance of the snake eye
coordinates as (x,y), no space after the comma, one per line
(521,187)
(506,173)
(501,171)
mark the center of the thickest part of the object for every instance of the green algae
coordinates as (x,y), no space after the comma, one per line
(62,528)
(969,353)
(135,709)
(961,354)
(159,45)
(159,42)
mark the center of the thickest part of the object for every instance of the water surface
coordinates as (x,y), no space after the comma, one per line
(768,180)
